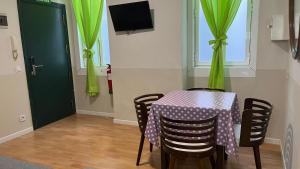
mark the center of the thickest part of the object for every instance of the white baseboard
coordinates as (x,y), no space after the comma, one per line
(125,122)
(16,135)
(94,113)
(104,114)
(282,155)
(273,141)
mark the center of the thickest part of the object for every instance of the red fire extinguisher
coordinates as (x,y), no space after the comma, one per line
(109,80)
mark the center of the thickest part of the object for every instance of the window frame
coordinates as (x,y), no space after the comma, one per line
(244,69)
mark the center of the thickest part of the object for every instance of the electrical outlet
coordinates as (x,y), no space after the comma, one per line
(22,118)
(3,21)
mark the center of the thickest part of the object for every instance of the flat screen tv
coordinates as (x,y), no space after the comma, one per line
(131,16)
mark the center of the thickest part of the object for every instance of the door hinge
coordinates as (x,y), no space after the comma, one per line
(64,20)
(70,75)
(67,49)
(72,105)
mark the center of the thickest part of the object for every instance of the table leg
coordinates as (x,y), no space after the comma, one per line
(164,159)
(220,156)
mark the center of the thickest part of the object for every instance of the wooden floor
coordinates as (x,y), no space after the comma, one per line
(84,141)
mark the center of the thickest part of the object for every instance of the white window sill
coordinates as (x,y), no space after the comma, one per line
(100,71)
(230,71)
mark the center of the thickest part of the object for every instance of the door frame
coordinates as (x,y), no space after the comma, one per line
(26,58)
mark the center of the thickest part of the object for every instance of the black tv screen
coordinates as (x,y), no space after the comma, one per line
(131,16)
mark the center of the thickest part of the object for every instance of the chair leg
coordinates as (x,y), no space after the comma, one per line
(225,156)
(140,150)
(151,147)
(257,157)
(165,158)
(172,162)
(220,157)
(212,162)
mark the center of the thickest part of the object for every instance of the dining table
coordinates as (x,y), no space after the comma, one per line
(198,105)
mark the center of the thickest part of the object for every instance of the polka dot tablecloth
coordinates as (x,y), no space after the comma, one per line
(197,105)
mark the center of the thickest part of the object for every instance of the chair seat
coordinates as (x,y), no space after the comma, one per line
(237,132)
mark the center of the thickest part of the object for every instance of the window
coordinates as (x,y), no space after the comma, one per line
(99,61)
(238,42)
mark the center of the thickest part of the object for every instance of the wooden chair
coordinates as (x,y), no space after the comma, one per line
(207,89)
(196,139)
(255,121)
(142,106)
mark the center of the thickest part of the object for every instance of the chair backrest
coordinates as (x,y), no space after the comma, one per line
(188,138)
(207,89)
(142,106)
(255,121)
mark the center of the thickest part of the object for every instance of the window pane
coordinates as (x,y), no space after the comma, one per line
(205,35)
(105,38)
(236,50)
(237,36)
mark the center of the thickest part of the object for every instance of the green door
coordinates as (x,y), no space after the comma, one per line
(48,66)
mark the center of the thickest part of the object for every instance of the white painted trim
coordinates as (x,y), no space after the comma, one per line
(282,155)
(94,113)
(100,71)
(125,122)
(230,71)
(16,135)
(274,141)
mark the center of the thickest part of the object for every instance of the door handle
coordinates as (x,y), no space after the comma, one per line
(38,66)
(34,67)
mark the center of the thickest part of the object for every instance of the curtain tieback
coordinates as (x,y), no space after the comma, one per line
(88,53)
(218,42)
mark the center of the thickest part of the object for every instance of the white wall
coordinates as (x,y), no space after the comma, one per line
(271,63)
(293,107)
(14,98)
(142,62)
(154,61)
(103,102)
(147,62)
(13,90)
(292,110)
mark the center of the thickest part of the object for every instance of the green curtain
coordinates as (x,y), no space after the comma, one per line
(88,16)
(219,16)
